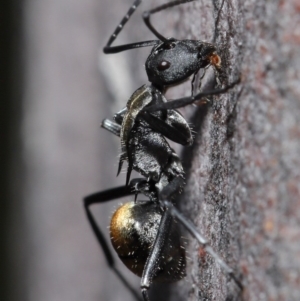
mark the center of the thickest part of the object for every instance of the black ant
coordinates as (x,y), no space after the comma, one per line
(144,231)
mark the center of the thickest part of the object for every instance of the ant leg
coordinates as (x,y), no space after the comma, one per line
(101,197)
(191,228)
(153,260)
(146,16)
(182,102)
(172,189)
(108,49)
(119,116)
(176,129)
(115,126)
(111,126)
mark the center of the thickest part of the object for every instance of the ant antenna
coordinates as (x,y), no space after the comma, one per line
(146,16)
(108,49)
(125,19)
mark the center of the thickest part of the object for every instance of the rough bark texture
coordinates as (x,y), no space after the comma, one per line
(243,178)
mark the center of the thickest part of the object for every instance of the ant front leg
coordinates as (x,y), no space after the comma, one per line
(102,197)
(173,126)
(182,102)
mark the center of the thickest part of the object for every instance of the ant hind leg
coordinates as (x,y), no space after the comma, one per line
(102,197)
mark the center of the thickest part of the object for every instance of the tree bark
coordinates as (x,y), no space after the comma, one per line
(243,185)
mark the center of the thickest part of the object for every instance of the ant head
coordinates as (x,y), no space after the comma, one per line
(173,61)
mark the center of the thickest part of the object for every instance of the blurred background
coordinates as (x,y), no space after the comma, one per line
(56,88)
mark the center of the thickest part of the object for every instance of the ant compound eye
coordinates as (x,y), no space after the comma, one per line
(163,65)
(169,45)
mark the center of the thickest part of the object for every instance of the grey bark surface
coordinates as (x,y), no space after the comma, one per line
(243,171)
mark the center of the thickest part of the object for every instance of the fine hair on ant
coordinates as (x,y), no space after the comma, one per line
(143,233)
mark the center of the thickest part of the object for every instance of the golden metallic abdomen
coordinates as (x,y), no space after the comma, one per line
(133,230)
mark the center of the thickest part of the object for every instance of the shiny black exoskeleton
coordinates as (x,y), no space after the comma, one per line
(144,234)
(173,61)
(133,231)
